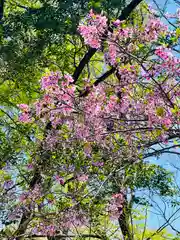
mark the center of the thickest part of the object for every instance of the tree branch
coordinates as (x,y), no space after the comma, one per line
(68,236)
(128,10)
(162,151)
(83,63)
(98,80)
(1,9)
(104,76)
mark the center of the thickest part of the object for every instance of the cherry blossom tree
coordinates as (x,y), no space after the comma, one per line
(90,131)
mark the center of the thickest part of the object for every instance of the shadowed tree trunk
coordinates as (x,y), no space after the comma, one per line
(124,220)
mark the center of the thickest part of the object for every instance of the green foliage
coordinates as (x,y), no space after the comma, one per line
(151,176)
(35,36)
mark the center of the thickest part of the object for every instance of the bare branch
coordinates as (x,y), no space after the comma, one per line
(1,9)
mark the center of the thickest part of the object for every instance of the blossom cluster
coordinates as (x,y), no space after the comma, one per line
(25,115)
(115,207)
(30,196)
(91,118)
(94,30)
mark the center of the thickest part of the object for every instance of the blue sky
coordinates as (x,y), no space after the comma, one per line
(170,162)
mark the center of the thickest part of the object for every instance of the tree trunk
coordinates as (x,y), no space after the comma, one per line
(124,221)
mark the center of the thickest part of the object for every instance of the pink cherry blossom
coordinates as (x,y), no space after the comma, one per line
(24,107)
(25,118)
(82,178)
(116,23)
(94,30)
(59,179)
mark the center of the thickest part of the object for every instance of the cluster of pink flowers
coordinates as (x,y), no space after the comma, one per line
(24,107)
(92,118)
(96,107)
(96,110)
(155,118)
(163,53)
(94,30)
(169,63)
(73,218)
(30,196)
(117,22)
(82,178)
(115,207)
(25,116)
(59,179)
(127,75)
(98,164)
(153,29)
(112,53)
(58,99)
(50,81)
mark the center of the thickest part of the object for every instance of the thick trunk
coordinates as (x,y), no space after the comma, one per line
(124,222)
(125,229)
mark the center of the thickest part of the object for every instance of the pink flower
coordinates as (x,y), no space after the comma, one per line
(93,31)
(167,122)
(60,180)
(25,118)
(118,196)
(116,205)
(98,164)
(23,197)
(24,107)
(82,178)
(30,166)
(116,23)
(50,80)
(68,78)
(112,53)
